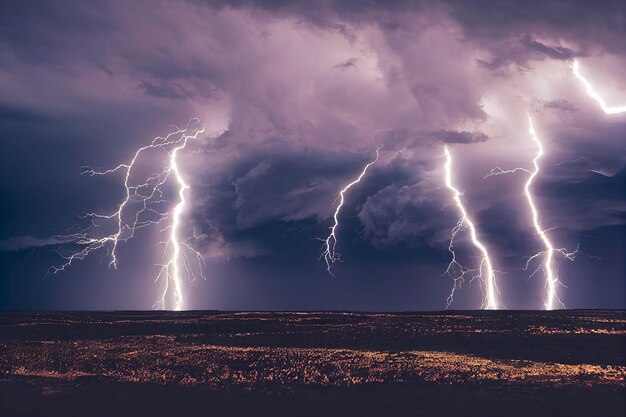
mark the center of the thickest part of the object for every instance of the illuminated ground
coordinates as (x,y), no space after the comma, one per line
(313,364)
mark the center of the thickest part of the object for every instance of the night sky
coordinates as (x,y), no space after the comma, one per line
(295,97)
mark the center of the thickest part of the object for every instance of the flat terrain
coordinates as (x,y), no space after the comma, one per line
(569,363)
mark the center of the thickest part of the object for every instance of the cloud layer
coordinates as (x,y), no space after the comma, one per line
(303,95)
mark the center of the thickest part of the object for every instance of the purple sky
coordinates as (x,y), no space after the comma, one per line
(302,94)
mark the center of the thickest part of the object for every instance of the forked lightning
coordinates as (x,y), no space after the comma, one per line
(548,264)
(329,253)
(485,271)
(140,208)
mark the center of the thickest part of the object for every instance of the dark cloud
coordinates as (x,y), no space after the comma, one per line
(350,62)
(305,92)
(405,216)
(448,136)
(554,52)
(176,90)
(592,24)
(600,200)
(15,115)
(17,243)
(286,185)
(562,105)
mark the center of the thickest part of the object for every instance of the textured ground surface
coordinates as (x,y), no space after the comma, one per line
(309,364)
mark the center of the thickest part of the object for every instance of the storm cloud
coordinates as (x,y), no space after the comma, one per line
(296,98)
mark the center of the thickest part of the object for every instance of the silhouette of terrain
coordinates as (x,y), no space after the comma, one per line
(488,363)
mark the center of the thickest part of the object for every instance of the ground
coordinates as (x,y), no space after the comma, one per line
(519,363)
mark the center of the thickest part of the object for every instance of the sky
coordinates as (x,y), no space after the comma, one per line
(295,98)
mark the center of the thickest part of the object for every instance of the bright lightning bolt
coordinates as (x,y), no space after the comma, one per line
(172,268)
(485,270)
(329,253)
(593,94)
(139,209)
(551,276)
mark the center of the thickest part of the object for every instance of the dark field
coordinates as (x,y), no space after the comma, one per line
(569,363)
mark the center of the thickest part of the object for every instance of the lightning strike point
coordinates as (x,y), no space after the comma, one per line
(548,254)
(552,279)
(138,209)
(485,270)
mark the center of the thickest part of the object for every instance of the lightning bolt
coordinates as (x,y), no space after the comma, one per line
(551,274)
(552,278)
(591,92)
(329,253)
(455,269)
(172,269)
(485,270)
(140,208)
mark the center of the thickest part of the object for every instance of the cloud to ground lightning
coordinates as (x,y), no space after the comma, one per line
(142,206)
(299,98)
(485,271)
(548,264)
(552,279)
(177,266)
(329,253)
